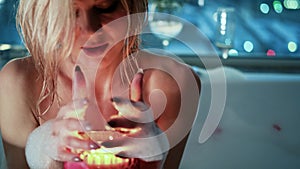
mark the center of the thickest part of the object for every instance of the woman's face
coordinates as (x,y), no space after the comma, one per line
(97,28)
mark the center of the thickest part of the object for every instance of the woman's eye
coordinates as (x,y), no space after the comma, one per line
(108,9)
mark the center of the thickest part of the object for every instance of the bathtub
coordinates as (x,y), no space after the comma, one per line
(259,128)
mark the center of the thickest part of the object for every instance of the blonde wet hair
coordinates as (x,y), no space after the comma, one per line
(47,29)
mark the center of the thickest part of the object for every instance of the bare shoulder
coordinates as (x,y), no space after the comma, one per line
(169,81)
(16,94)
(18,67)
(17,75)
(167,71)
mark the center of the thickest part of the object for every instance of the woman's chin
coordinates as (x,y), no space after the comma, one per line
(95,51)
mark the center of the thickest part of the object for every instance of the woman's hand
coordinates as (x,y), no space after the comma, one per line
(58,139)
(68,128)
(144,139)
(62,139)
(66,137)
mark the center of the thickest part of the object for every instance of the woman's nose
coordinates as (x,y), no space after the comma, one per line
(89,21)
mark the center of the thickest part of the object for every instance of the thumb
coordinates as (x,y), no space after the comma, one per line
(79,85)
(136,92)
(79,97)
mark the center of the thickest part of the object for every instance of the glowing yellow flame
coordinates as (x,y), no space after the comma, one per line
(100,157)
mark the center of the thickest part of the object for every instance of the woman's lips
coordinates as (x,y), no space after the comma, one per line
(95,50)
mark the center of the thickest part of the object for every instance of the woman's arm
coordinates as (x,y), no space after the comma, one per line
(179,88)
(16,119)
(46,145)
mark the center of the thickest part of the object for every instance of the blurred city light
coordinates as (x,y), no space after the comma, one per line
(277,6)
(248,46)
(264,8)
(291,4)
(292,46)
(5,47)
(271,52)
(233,52)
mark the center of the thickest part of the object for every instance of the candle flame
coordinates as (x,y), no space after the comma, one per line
(100,157)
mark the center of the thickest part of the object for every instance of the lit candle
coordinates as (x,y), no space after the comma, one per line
(99,158)
(94,159)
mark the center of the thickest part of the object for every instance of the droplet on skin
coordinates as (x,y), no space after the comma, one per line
(277,127)
(110,137)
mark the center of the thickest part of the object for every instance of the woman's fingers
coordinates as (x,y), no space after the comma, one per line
(119,121)
(134,111)
(115,146)
(75,109)
(151,148)
(68,126)
(79,84)
(77,143)
(64,135)
(56,149)
(136,92)
(113,143)
(67,140)
(66,155)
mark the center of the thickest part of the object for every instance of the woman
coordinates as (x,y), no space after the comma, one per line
(63,37)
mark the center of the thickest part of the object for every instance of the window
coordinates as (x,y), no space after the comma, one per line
(261,27)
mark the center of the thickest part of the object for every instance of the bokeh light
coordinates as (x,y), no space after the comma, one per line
(248,46)
(165,42)
(292,46)
(277,6)
(264,8)
(233,52)
(271,52)
(5,47)
(223,21)
(201,2)
(291,4)
(2,4)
